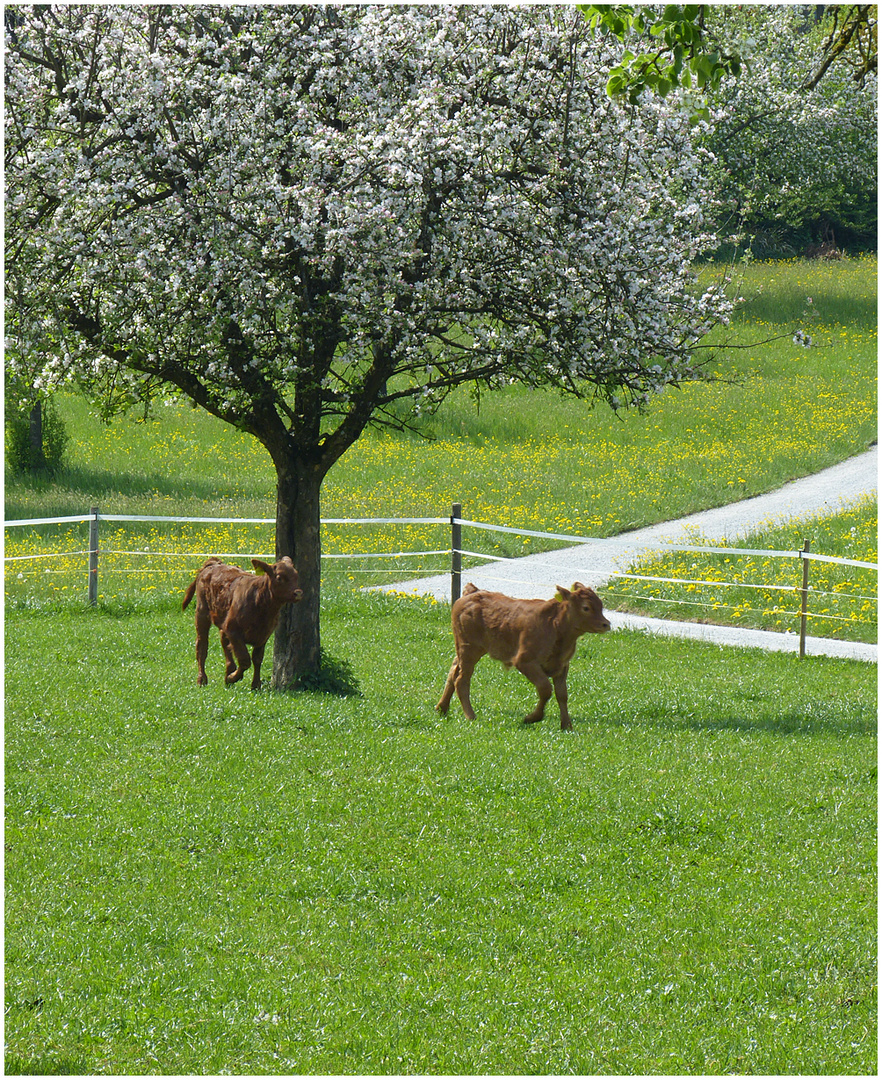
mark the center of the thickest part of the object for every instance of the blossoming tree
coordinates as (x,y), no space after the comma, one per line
(308,219)
(795,154)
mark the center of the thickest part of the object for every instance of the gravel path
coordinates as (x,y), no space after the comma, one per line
(594,562)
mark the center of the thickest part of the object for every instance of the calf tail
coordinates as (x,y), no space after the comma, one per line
(188,596)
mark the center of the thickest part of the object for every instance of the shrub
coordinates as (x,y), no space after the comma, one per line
(21,452)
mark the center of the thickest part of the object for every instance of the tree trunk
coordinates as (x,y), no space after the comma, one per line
(35,438)
(297,648)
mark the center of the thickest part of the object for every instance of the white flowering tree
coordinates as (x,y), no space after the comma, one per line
(308,219)
(795,141)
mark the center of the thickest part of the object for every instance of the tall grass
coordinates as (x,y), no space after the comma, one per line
(537,459)
(833,293)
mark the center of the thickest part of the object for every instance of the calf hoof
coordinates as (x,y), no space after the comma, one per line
(566,725)
(533,718)
(256,684)
(442,708)
(201,680)
(235,677)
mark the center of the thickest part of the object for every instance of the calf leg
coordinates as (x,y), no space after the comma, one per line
(560,691)
(229,659)
(236,645)
(444,704)
(257,659)
(533,671)
(466,661)
(203,626)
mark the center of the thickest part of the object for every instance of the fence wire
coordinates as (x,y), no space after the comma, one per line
(449,552)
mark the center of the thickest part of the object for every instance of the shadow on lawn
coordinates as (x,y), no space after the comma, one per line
(844,721)
(74,490)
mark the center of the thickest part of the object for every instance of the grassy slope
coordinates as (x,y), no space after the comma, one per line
(537,460)
(843,601)
(213,880)
(207,880)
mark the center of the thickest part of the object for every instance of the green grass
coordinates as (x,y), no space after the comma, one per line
(206,880)
(842,600)
(807,291)
(536,461)
(538,456)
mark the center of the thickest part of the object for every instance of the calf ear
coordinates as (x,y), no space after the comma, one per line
(262,567)
(562,593)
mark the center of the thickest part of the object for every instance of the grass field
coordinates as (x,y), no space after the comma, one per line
(535,461)
(209,880)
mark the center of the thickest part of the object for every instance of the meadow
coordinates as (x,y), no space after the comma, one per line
(762,591)
(541,462)
(211,880)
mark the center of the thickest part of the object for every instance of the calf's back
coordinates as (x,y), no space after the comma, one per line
(514,630)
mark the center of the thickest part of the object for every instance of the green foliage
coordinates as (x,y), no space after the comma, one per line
(795,139)
(207,880)
(21,455)
(683,55)
(795,166)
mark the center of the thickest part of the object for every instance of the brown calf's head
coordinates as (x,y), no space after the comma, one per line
(585,608)
(284,579)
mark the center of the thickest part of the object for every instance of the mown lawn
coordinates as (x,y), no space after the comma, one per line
(208,880)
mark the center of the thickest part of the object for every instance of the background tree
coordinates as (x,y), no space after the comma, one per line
(793,163)
(851,37)
(306,219)
(794,143)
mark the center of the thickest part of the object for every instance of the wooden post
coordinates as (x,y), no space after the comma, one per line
(803,613)
(455,553)
(93,557)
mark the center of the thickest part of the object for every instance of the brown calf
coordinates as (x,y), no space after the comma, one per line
(244,607)
(538,637)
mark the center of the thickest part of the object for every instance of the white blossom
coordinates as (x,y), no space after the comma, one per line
(281,200)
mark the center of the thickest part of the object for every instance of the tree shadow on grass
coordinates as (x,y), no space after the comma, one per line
(844,722)
(74,490)
(335,677)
